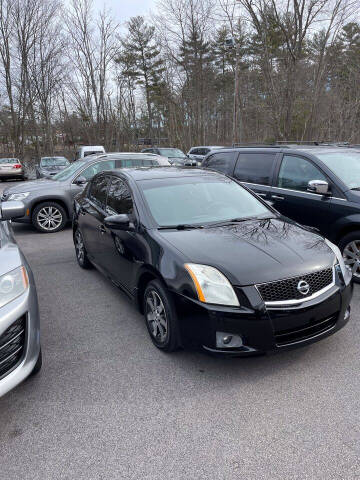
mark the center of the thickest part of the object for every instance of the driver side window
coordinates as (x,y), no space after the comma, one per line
(296,172)
(95,168)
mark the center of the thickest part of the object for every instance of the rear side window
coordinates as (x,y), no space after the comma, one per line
(255,167)
(296,172)
(98,191)
(95,168)
(119,198)
(136,162)
(221,162)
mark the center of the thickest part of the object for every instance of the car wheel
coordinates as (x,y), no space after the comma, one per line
(38,364)
(160,317)
(49,217)
(80,251)
(350,248)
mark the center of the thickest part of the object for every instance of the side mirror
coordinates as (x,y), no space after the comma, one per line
(117,222)
(80,181)
(318,186)
(12,209)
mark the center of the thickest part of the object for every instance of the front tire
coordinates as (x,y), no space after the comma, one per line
(160,317)
(49,217)
(350,248)
(80,251)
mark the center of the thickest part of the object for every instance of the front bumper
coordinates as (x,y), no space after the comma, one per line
(263,330)
(25,306)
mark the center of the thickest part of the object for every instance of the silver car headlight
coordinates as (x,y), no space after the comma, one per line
(211,285)
(18,196)
(345,270)
(13,284)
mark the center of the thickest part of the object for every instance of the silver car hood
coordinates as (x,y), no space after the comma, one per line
(35,185)
(10,257)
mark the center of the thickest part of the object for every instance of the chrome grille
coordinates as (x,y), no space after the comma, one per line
(12,343)
(283,290)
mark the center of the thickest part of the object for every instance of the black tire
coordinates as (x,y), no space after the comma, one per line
(170,341)
(344,242)
(81,256)
(59,214)
(38,364)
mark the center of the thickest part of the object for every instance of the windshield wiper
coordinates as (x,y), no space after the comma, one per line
(236,220)
(183,226)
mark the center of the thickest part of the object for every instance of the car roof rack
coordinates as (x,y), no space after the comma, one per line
(255,145)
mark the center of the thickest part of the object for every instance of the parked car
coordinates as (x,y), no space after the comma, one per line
(175,156)
(209,263)
(11,168)
(50,166)
(199,153)
(316,186)
(49,202)
(20,351)
(87,150)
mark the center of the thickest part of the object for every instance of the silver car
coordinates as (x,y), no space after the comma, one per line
(49,202)
(11,168)
(199,153)
(20,352)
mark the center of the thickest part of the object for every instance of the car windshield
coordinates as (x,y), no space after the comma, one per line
(200,200)
(54,162)
(171,152)
(91,152)
(346,165)
(69,171)
(9,160)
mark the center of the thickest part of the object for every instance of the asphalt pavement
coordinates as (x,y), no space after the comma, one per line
(109,405)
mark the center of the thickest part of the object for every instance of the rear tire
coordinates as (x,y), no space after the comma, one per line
(49,217)
(350,248)
(38,364)
(160,317)
(80,251)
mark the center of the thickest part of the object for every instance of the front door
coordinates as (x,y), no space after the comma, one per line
(291,198)
(122,248)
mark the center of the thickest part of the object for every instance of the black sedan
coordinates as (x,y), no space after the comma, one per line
(209,263)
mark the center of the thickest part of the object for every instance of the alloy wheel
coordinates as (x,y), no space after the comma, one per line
(49,218)
(351,255)
(79,247)
(156,316)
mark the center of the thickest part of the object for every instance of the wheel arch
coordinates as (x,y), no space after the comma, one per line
(145,276)
(61,202)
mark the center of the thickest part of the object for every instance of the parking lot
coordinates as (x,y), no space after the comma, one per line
(109,405)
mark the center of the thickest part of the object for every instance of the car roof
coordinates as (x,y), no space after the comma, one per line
(91,147)
(209,146)
(154,172)
(312,149)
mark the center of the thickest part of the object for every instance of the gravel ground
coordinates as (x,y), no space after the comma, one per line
(109,405)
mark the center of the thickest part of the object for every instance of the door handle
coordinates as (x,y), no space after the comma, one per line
(277,197)
(102,229)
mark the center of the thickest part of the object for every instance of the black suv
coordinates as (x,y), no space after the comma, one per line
(316,186)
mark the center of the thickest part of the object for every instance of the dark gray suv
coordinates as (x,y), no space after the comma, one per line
(49,202)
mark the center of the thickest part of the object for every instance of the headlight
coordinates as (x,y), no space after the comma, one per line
(345,270)
(18,196)
(211,285)
(12,285)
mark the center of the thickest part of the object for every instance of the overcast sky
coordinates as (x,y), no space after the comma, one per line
(124,9)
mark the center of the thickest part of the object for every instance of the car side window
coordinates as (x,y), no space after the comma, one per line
(95,168)
(195,151)
(98,190)
(119,200)
(255,167)
(296,172)
(221,162)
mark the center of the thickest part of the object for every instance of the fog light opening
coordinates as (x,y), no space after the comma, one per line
(347,313)
(228,340)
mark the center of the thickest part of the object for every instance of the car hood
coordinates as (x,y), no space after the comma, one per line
(10,257)
(33,186)
(254,251)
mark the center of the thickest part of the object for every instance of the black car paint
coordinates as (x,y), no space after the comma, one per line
(334,215)
(248,253)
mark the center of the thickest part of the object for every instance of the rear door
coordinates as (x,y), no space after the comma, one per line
(256,171)
(290,196)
